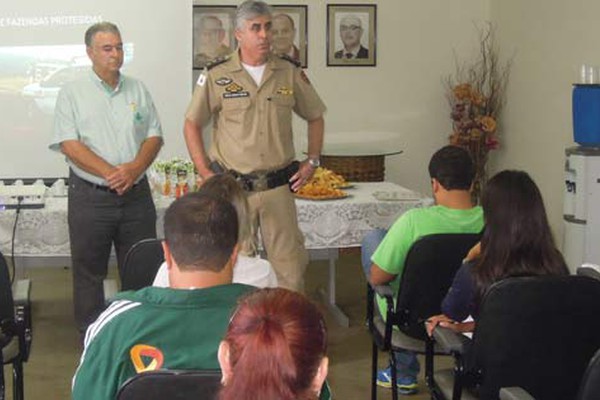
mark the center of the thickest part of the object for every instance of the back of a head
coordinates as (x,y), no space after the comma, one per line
(250,9)
(513,203)
(201,231)
(277,339)
(452,167)
(226,187)
(517,239)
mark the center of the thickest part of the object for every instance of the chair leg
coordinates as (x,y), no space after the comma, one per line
(374,354)
(458,379)
(394,375)
(1,379)
(18,380)
(429,362)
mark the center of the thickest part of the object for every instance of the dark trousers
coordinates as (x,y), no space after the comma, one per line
(99,218)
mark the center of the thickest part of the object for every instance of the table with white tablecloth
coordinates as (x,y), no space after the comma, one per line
(327,225)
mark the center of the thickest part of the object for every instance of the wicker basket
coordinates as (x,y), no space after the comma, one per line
(356,168)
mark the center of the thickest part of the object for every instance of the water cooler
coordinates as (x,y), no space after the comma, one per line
(582,181)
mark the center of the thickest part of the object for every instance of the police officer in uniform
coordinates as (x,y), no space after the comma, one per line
(250,97)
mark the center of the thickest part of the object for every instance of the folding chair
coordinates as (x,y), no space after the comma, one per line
(430,266)
(535,333)
(15,327)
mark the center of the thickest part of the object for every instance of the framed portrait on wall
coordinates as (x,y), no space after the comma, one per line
(290,32)
(352,35)
(213,33)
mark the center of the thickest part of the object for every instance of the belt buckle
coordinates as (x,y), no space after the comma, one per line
(246,183)
(261,183)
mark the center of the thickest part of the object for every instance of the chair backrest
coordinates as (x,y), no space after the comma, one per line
(537,333)
(142,261)
(430,266)
(590,384)
(588,270)
(172,385)
(7,307)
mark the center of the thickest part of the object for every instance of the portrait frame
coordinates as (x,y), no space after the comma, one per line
(299,15)
(363,53)
(223,15)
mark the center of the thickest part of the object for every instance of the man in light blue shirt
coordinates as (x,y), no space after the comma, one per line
(107,127)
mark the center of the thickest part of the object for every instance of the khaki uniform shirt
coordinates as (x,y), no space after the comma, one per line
(201,59)
(252,126)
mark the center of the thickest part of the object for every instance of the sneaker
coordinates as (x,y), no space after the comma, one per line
(384,379)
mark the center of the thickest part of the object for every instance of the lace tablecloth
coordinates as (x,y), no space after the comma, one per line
(326,224)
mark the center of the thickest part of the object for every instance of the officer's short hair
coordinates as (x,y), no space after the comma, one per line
(452,167)
(250,9)
(104,26)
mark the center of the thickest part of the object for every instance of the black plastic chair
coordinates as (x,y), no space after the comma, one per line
(590,384)
(430,266)
(535,333)
(588,390)
(588,270)
(15,327)
(172,385)
(140,266)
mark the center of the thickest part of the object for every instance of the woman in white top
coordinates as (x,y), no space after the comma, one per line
(250,268)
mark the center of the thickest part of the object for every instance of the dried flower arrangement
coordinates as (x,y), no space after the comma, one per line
(476,94)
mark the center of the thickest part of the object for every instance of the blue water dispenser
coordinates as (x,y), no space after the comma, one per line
(586,114)
(582,180)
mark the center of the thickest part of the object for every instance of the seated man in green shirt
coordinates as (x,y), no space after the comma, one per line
(177,327)
(383,253)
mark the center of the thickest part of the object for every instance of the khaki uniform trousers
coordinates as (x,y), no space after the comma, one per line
(273,213)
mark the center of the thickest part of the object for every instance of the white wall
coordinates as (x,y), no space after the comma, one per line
(403,93)
(552,39)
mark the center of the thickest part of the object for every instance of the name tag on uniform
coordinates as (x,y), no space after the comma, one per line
(235,95)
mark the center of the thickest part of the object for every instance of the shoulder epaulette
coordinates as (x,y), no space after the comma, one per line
(285,57)
(216,61)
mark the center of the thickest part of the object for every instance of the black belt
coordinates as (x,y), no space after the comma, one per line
(107,188)
(260,181)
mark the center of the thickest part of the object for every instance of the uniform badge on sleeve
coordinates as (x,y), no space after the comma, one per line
(201,79)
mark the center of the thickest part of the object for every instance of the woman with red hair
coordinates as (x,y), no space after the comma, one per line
(274,349)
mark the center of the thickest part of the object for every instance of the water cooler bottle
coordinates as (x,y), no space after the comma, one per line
(582,181)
